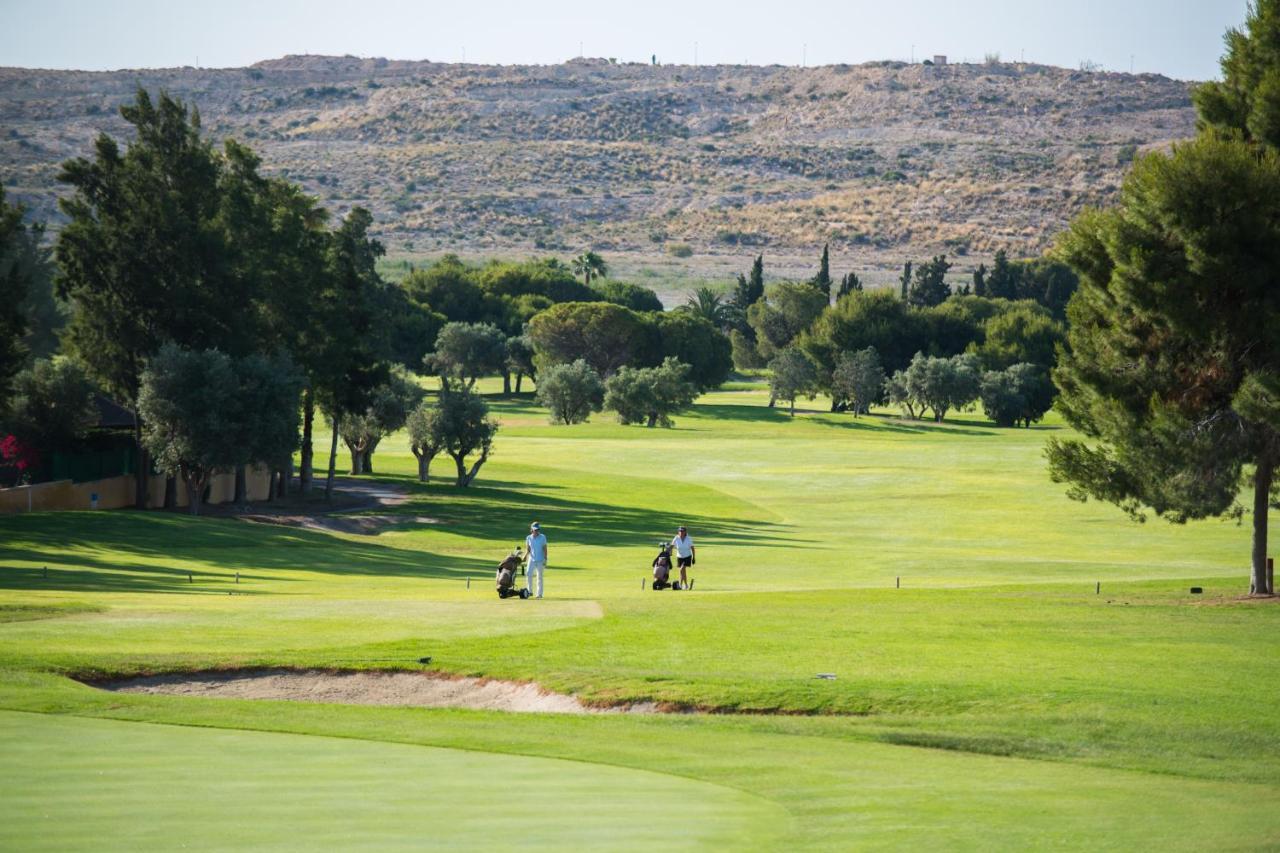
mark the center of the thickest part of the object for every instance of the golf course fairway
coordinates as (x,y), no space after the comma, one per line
(1005,669)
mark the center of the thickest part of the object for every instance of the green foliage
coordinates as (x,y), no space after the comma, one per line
(695,342)
(793,375)
(650,395)
(547,277)
(457,423)
(822,280)
(466,351)
(570,391)
(16,285)
(1046,281)
(448,287)
(937,384)
(465,431)
(1023,333)
(1173,324)
(850,283)
(51,406)
(750,289)
(1022,393)
(189,402)
(390,404)
(520,358)
(712,307)
(426,428)
(787,309)
(144,254)
(267,409)
(744,352)
(632,296)
(873,318)
(1245,103)
(858,380)
(605,335)
(590,266)
(929,287)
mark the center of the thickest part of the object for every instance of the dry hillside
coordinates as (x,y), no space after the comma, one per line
(884,160)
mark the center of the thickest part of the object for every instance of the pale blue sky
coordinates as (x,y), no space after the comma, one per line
(1180,38)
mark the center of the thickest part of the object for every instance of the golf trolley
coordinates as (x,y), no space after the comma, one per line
(506,577)
(662,569)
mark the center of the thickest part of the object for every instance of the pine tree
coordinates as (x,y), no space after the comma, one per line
(905,281)
(1173,365)
(1244,104)
(980,280)
(822,280)
(755,282)
(850,283)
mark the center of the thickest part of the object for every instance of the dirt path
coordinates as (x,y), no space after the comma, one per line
(351,496)
(367,688)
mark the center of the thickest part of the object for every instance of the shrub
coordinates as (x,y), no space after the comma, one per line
(679,250)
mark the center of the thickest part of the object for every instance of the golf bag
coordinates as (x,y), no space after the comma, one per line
(662,569)
(506,578)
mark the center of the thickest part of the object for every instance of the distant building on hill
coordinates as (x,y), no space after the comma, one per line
(939,59)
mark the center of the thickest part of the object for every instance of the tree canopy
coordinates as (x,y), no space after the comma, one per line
(1173,369)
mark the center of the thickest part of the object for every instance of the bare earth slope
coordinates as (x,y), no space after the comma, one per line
(884,160)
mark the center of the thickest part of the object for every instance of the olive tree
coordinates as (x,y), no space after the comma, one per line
(571,391)
(650,395)
(858,379)
(189,401)
(793,375)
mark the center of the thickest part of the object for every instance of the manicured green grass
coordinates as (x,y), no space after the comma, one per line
(1053,716)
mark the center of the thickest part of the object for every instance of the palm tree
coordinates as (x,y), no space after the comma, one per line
(711,306)
(589,265)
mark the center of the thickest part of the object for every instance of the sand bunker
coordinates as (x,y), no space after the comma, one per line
(368,688)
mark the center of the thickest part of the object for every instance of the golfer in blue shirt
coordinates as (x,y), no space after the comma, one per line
(536,549)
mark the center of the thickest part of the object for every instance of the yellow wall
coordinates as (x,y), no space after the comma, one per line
(116,492)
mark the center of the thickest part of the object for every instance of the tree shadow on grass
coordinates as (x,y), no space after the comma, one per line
(489,510)
(872,422)
(130,551)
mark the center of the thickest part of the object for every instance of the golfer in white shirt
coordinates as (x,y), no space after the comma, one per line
(685,554)
(536,549)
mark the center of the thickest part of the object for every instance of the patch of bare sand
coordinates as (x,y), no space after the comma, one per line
(368,688)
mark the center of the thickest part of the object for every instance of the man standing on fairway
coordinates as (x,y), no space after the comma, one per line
(536,549)
(685,554)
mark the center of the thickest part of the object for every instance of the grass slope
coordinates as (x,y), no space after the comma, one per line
(1150,714)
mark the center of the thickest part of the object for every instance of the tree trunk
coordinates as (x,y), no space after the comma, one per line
(308,416)
(1261,498)
(286,475)
(519,381)
(653,419)
(506,384)
(772,399)
(793,407)
(195,492)
(465,477)
(333,460)
(271,484)
(170,492)
(424,466)
(357,460)
(366,461)
(143,474)
(242,486)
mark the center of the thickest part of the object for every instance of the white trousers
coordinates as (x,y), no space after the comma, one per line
(531,571)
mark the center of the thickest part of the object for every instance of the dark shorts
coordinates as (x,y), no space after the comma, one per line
(684,562)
